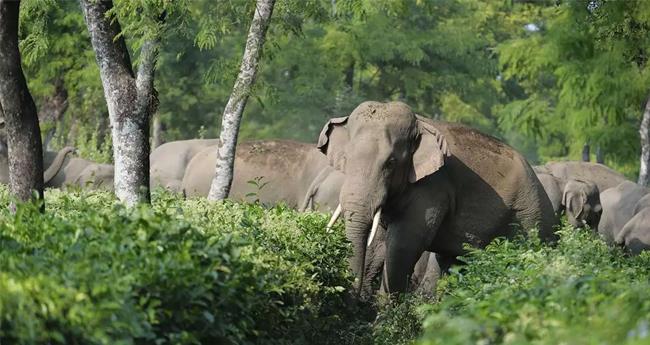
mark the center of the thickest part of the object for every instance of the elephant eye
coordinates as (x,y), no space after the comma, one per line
(390,162)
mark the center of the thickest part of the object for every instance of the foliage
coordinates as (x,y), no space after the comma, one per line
(94,273)
(579,291)
(585,77)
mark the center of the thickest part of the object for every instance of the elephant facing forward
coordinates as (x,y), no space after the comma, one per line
(579,199)
(435,185)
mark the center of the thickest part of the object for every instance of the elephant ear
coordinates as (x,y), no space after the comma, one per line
(430,153)
(332,141)
(574,202)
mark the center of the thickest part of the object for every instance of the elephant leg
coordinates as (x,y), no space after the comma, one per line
(411,234)
(404,246)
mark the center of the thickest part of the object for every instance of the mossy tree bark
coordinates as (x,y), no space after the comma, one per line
(644,132)
(232,114)
(131,99)
(21,118)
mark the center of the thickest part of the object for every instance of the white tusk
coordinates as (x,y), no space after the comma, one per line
(375,225)
(335,216)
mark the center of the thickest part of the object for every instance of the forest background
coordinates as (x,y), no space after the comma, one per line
(547,77)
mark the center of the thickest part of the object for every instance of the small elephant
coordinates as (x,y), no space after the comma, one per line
(435,185)
(169,161)
(619,205)
(270,171)
(581,202)
(81,172)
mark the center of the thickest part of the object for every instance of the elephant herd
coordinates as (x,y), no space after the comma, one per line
(405,186)
(595,195)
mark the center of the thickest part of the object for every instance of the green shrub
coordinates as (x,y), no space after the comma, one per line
(180,272)
(523,292)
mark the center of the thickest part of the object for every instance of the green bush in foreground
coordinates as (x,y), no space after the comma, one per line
(192,272)
(524,292)
(180,272)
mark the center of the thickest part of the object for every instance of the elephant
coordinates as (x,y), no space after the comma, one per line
(619,205)
(270,171)
(603,176)
(552,189)
(169,161)
(52,160)
(577,198)
(581,201)
(635,235)
(78,171)
(436,186)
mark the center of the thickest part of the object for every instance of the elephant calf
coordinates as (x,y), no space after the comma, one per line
(578,199)
(68,170)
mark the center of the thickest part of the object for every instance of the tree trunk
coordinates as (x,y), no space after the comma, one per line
(644,132)
(21,118)
(600,157)
(585,153)
(156,132)
(52,110)
(130,100)
(235,107)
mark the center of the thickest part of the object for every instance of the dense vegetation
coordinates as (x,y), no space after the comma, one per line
(183,272)
(546,76)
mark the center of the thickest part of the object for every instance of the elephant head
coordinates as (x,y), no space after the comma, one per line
(582,202)
(381,148)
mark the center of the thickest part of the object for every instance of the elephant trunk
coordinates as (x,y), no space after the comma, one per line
(54,168)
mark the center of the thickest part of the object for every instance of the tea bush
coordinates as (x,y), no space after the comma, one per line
(579,291)
(88,271)
(180,272)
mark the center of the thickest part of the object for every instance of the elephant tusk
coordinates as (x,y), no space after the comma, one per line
(335,216)
(375,225)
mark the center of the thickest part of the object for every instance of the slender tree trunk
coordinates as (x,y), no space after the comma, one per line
(21,118)
(600,157)
(644,132)
(235,107)
(156,132)
(52,110)
(130,100)
(585,153)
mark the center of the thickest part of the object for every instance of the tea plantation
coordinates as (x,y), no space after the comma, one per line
(190,272)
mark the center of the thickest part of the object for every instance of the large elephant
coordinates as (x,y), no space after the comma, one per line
(169,161)
(579,199)
(52,160)
(635,235)
(78,171)
(435,185)
(619,205)
(601,175)
(270,171)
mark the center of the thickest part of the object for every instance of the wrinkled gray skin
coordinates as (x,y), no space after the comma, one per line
(619,205)
(438,184)
(553,190)
(169,160)
(81,172)
(285,171)
(635,235)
